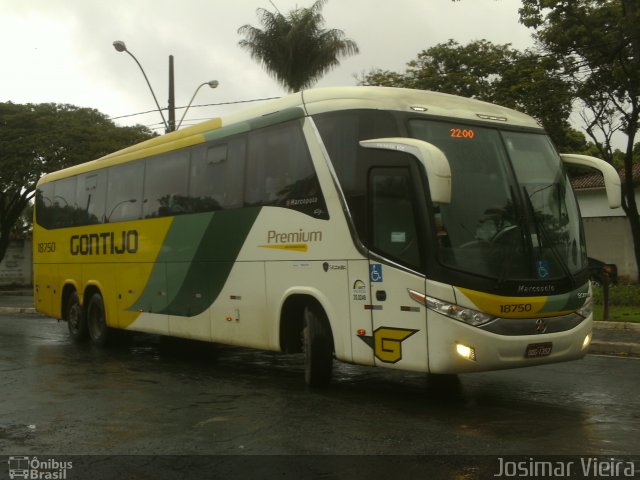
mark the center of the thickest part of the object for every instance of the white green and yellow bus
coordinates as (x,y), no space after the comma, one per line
(378,226)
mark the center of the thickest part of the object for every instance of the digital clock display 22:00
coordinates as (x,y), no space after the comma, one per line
(466,133)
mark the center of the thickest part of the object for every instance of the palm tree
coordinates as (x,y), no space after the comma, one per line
(295,49)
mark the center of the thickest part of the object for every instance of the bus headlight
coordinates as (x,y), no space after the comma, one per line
(466,315)
(466,352)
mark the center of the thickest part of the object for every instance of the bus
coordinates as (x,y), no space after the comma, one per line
(377,226)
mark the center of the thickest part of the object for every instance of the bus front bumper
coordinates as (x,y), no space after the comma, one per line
(455,347)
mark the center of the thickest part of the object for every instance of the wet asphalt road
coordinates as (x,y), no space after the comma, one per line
(145,398)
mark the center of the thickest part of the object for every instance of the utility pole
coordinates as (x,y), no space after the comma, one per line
(169,126)
(172,98)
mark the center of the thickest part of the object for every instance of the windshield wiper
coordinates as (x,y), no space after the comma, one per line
(544,234)
(506,264)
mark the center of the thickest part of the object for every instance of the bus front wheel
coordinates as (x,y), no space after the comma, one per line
(97,320)
(76,321)
(318,348)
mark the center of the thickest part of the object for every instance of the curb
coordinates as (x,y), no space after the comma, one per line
(606,325)
(623,349)
(615,348)
(18,310)
(16,293)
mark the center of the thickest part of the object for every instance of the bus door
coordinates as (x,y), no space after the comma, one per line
(396,229)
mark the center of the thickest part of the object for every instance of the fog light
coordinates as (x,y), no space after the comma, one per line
(587,341)
(466,352)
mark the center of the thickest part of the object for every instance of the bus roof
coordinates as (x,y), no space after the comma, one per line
(311,102)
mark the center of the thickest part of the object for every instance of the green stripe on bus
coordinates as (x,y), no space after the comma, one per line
(195,261)
(568,301)
(260,122)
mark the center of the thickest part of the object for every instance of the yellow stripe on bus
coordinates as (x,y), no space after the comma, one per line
(507,307)
(295,247)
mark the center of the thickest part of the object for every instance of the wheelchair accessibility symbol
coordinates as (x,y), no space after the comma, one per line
(375,272)
(543,268)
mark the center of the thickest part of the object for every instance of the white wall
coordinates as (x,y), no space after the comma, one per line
(15,267)
(609,239)
(607,231)
(593,203)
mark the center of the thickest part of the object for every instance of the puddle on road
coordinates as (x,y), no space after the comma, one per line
(17,432)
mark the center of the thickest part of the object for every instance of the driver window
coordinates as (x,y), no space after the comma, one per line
(393,231)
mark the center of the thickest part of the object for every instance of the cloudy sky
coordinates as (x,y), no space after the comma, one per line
(61,50)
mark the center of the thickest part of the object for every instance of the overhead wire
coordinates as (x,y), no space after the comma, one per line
(196,106)
(576,64)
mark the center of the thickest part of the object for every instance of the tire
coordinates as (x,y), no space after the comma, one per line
(97,320)
(318,348)
(76,321)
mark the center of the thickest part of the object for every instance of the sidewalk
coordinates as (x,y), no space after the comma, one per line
(609,338)
(16,301)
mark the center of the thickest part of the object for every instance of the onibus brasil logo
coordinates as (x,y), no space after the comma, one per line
(36,469)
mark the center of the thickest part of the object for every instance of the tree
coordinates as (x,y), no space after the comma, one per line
(42,138)
(597,43)
(493,73)
(295,49)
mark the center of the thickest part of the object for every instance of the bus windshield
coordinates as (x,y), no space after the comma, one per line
(513,213)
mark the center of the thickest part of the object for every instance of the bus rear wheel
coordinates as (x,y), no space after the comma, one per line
(318,348)
(76,321)
(97,320)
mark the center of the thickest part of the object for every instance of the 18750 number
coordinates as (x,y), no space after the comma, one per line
(516,308)
(46,247)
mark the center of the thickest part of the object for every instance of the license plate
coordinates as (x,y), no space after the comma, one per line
(535,350)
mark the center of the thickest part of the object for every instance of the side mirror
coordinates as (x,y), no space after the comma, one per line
(611,177)
(431,157)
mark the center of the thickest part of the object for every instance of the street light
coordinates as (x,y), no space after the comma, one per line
(119,204)
(120,46)
(212,84)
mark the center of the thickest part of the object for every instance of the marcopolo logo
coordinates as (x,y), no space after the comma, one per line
(37,469)
(105,243)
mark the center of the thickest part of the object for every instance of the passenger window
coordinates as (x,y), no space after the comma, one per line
(63,203)
(91,197)
(124,192)
(165,187)
(280,171)
(44,203)
(217,172)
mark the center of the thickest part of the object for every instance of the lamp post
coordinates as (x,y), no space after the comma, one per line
(117,205)
(121,47)
(171,125)
(212,84)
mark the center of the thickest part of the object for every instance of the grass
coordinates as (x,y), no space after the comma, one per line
(624,303)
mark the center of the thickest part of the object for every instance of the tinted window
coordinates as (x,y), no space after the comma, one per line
(280,172)
(44,211)
(204,178)
(217,173)
(91,197)
(63,203)
(393,217)
(165,186)
(124,192)
(341,133)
